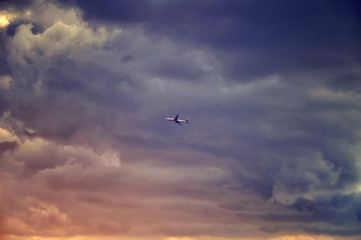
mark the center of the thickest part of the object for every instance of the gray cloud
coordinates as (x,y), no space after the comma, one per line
(254,39)
(16,4)
(6,146)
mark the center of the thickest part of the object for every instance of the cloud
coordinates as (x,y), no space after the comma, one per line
(280,30)
(5,81)
(272,150)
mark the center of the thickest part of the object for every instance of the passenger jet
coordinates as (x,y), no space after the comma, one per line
(179,121)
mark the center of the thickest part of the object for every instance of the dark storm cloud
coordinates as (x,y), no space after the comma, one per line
(255,38)
(74,93)
(347,81)
(3,64)
(124,11)
(339,210)
(6,146)
(3,102)
(15,4)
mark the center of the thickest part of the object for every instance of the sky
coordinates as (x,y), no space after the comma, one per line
(272,90)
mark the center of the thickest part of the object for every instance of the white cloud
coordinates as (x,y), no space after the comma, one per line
(59,38)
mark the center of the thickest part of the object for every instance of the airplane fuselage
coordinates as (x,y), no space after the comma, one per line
(177,120)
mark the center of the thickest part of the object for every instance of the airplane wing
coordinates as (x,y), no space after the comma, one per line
(176,118)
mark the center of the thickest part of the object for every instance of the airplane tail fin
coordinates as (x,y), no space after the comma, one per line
(187,121)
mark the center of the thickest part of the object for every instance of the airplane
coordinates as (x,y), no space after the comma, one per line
(179,121)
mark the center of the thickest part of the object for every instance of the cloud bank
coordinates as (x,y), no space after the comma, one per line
(272,151)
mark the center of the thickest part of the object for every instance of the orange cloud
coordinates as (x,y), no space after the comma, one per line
(302,237)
